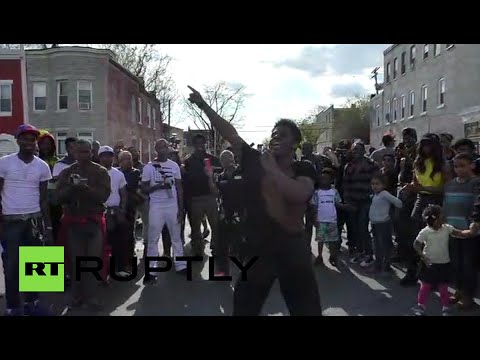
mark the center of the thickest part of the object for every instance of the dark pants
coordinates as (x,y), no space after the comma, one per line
(309,221)
(166,240)
(463,258)
(118,239)
(84,240)
(16,234)
(341,220)
(130,238)
(357,227)
(405,227)
(230,236)
(201,206)
(382,237)
(288,259)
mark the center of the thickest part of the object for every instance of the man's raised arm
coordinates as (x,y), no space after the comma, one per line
(226,129)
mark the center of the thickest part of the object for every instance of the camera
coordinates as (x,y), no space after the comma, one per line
(76,179)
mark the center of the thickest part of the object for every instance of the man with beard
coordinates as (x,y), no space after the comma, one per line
(277,189)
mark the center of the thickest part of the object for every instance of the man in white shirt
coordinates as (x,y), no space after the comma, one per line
(67,160)
(162,181)
(116,205)
(25,215)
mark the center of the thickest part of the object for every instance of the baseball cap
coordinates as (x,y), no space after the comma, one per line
(27,128)
(105,149)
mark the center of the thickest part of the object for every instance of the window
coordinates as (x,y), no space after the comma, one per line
(154,118)
(149,117)
(388,72)
(377,114)
(395,68)
(425,51)
(436,49)
(403,104)
(441,91)
(404,66)
(387,112)
(412,102)
(139,110)
(448,46)
(424,98)
(413,54)
(133,109)
(39,96)
(6,97)
(62,95)
(61,146)
(85,136)
(84,95)
(394,102)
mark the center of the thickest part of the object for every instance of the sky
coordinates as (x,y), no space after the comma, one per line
(283,81)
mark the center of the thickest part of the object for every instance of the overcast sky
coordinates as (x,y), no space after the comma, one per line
(283,80)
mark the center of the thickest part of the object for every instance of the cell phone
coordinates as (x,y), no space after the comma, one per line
(207,163)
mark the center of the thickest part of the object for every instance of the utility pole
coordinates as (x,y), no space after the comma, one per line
(374,76)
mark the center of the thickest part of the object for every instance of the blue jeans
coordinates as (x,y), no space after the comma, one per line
(16,234)
(357,227)
(382,236)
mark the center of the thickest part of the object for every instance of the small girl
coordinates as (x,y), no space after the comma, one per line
(379,215)
(325,201)
(432,245)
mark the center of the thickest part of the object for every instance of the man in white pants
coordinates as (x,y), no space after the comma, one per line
(162,181)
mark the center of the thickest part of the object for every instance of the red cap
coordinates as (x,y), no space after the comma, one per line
(27,128)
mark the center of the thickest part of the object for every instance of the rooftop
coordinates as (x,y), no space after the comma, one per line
(390,48)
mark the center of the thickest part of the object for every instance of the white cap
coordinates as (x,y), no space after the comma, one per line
(105,149)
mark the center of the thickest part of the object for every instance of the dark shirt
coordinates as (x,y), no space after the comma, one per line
(77,202)
(231,188)
(139,166)
(319,162)
(392,178)
(259,224)
(357,180)
(195,180)
(133,177)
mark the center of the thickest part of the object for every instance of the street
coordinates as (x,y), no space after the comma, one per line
(350,291)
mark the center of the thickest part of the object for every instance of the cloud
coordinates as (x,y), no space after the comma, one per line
(336,60)
(347,90)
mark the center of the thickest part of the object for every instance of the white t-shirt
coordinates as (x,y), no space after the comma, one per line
(436,243)
(21,188)
(325,201)
(117,182)
(162,173)
(58,168)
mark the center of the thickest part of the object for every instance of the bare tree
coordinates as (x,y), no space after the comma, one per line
(308,126)
(227,100)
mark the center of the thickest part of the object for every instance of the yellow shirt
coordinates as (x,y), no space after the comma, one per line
(425,179)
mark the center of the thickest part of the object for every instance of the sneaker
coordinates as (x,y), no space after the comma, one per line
(14,312)
(419,310)
(36,309)
(446,311)
(408,280)
(333,261)
(123,274)
(356,259)
(367,262)
(455,298)
(151,281)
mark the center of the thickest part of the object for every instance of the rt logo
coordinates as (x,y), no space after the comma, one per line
(41,269)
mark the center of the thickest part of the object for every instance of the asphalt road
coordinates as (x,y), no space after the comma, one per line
(350,291)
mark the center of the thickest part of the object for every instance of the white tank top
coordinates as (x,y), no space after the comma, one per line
(325,200)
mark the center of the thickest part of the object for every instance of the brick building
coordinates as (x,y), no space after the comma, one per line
(84,92)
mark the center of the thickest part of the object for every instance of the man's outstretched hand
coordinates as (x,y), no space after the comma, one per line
(195,97)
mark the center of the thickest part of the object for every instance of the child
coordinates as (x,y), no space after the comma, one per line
(379,215)
(432,245)
(325,201)
(458,204)
(388,170)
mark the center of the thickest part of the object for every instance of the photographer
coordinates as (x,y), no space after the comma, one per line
(161,180)
(116,205)
(82,189)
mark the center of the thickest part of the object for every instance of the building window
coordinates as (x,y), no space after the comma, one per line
(441,91)
(154,119)
(133,106)
(412,102)
(61,146)
(404,65)
(448,46)
(62,95)
(403,104)
(84,95)
(149,116)
(394,104)
(425,51)
(139,110)
(388,72)
(377,114)
(395,68)
(413,54)
(6,97)
(39,96)
(387,112)
(88,136)
(424,98)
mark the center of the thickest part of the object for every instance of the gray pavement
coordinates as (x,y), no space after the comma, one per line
(348,291)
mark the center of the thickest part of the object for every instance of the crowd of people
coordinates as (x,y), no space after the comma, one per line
(414,203)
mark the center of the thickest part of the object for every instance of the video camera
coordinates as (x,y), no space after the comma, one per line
(76,179)
(165,180)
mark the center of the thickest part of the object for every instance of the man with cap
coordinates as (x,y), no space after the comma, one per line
(82,189)
(25,219)
(116,205)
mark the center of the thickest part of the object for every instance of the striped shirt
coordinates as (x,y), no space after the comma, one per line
(459,198)
(356,181)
